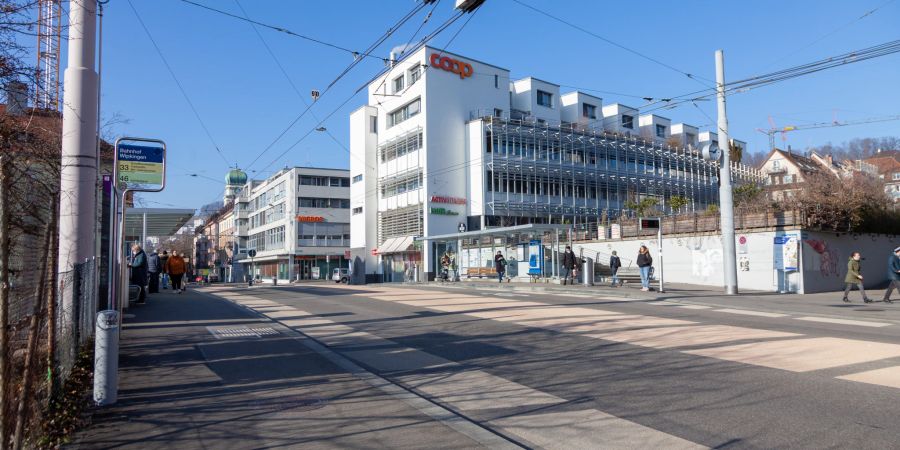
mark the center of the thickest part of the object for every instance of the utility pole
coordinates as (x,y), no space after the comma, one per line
(726,201)
(78,177)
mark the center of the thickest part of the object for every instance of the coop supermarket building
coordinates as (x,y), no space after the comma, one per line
(448,143)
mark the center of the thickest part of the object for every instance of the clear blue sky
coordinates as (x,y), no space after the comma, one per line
(245,100)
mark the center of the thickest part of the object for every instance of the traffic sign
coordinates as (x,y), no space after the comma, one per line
(251,253)
(374,252)
(140,164)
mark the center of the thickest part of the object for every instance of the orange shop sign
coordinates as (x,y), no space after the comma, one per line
(310,219)
(450,200)
(461,68)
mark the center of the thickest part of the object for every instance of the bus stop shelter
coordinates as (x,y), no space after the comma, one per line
(531,251)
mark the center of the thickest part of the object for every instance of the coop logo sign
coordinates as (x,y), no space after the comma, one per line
(461,68)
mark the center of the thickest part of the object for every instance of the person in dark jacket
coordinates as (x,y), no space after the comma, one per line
(893,275)
(153,268)
(162,264)
(568,264)
(500,265)
(614,264)
(854,276)
(645,263)
(139,271)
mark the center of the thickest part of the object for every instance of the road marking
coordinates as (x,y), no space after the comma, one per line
(695,307)
(803,355)
(669,337)
(747,312)
(860,323)
(477,390)
(889,376)
(587,429)
(661,303)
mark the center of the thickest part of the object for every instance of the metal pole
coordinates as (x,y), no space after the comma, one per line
(726,202)
(659,255)
(143,230)
(78,175)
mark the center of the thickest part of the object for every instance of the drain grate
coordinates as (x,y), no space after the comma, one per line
(241,332)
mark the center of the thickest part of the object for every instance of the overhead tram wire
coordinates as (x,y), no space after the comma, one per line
(419,6)
(178,83)
(694,77)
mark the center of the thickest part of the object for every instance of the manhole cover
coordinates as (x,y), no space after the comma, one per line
(241,332)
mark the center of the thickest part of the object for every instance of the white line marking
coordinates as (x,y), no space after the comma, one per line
(695,307)
(747,312)
(860,323)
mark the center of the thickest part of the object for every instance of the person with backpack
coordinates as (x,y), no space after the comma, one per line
(153,268)
(854,276)
(162,265)
(614,264)
(500,264)
(176,268)
(568,265)
(138,267)
(893,275)
(645,264)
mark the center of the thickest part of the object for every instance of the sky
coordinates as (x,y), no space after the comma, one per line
(244,101)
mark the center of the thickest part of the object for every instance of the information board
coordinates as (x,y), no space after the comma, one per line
(140,164)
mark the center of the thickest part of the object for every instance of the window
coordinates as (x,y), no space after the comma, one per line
(788,179)
(398,84)
(357,210)
(401,145)
(661,131)
(497,81)
(545,99)
(895,176)
(357,178)
(317,202)
(373,124)
(627,121)
(776,164)
(414,74)
(339,182)
(404,112)
(498,112)
(588,110)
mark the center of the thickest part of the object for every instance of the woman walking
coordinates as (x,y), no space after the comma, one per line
(854,277)
(175,267)
(645,263)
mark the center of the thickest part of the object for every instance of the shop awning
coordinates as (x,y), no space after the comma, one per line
(396,245)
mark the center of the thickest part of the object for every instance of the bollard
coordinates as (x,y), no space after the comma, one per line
(274,281)
(588,272)
(106,358)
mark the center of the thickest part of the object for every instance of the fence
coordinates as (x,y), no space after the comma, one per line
(76,308)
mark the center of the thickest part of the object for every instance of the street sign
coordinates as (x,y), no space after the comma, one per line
(140,164)
(374,252)
(251,253)
(346,254)
(649,223)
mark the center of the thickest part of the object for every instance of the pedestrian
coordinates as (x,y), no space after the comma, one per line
(614,264)
(645,264)
(138,267)
(854,277)
(568,264)
(175,266)
(893,275)
(500,264)
(162,264)
(153,268)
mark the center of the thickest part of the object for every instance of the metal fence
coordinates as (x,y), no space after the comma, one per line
(76,310)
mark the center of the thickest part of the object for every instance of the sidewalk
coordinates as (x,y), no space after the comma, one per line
(256,385)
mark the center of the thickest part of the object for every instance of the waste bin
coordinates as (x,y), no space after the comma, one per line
(588,272)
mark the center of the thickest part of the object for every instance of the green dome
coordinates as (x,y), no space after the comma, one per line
(236,176)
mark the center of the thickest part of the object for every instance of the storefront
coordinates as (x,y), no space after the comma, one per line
(401,259)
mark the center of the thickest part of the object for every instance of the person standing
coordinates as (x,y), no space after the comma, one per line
(162,265)
(645,264)
(175,266)
(500,264)
(854,276)
(614,264)
(139,272)
(893,275)
(153,268)
(568,264)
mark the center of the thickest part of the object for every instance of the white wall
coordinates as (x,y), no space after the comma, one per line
(612,118)
(825,259)
(524,97)
(572,110)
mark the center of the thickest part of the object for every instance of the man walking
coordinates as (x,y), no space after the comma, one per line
(175,266)
(153,269)
(568,263)
(139,272)
(893,275)
(162,265)
(500,264)
(854,277)
(614,264)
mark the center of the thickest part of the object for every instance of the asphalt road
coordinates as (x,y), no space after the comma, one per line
(588,370)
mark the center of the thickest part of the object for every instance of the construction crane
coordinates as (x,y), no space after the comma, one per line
(771,132)
(46,81)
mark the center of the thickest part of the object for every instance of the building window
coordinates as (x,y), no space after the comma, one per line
(373,124)
(414,74)
(398,84)
(497,81)
(588,110)
(788,179)
(405,112)
(661,131)
(895,176)
(627,121)
(357,178)
(357,210)
(545,99)
(401,145)
(498,112)
(316,202)
(776,164)
(339,182)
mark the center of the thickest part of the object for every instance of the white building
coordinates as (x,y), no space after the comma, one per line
(298,221)
(445,143)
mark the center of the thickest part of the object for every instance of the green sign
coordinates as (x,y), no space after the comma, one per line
(444,212)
